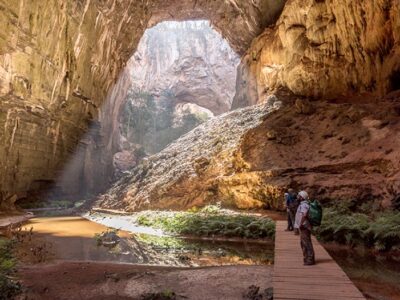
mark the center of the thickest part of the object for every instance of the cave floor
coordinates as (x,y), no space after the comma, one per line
(62,261)
(90,280)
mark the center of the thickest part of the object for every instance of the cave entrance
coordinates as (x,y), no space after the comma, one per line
(182,74)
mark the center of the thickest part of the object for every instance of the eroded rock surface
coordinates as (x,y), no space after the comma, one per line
(60,59)
(188,60)
(337,151)
(198,168)
(325,49)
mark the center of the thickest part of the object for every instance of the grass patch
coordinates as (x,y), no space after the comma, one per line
(8,286)
(378,230)
(209,221)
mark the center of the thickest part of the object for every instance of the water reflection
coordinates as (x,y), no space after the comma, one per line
(76,238)
(378,277)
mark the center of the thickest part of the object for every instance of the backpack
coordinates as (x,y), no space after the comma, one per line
(315,213)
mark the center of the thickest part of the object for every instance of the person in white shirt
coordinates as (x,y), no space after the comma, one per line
(303,224)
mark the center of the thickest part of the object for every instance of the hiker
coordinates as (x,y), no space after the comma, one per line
(303,224)
(291,205)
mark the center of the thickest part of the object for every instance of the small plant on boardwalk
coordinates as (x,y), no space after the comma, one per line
(210,221)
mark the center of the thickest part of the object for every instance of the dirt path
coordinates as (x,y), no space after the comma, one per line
(89,280)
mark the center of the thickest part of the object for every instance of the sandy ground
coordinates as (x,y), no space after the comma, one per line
(13,220)
(89,280)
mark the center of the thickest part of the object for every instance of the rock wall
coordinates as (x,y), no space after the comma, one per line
(249,157)
(60,59)
(325,49)
(188,60)
(57,62)
(196,169)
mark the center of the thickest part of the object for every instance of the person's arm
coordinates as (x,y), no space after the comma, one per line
(303,218)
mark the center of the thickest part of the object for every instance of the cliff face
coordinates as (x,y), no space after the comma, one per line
(60,59)
(249,157)
(182,74)
(188,60)
(325,49)
(196,169)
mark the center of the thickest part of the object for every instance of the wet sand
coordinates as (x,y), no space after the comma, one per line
(82,280)
(71,239)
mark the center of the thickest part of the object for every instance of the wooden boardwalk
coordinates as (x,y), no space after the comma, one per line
(292,280)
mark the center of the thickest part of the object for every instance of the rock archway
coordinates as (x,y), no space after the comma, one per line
(59,60)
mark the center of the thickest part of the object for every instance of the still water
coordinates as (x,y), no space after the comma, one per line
(74,238)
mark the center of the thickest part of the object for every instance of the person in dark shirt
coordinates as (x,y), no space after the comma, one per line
(291,205)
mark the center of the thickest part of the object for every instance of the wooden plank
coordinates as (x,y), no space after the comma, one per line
(292,280)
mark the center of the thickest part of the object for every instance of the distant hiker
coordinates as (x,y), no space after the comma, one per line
(302,222)
(291,204)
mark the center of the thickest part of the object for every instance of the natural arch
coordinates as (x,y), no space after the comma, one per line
(60,59)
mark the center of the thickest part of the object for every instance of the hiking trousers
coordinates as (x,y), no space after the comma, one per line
(306,246)
(290,222)
(292,216)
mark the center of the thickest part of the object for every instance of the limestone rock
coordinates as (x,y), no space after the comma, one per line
(200,167)
(325,49)
(188,60)
(65,57)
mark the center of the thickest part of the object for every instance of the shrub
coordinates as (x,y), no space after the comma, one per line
(378,230)
(208,221)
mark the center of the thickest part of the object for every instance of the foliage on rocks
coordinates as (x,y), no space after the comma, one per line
(378,230)
(209,221)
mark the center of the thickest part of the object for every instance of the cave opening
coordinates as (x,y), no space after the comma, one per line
(182,74)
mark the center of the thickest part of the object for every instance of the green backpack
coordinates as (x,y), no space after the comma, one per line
(315,213)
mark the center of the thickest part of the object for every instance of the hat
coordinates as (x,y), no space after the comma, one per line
(303,194)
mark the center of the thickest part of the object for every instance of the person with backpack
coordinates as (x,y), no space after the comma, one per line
(291,205)
(303,223)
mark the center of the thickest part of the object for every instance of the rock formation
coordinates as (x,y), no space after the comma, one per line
(197,168)
(60,59)
(247,158)
(325,49)
(188,60)
(182,74)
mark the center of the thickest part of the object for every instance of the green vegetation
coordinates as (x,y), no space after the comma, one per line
(109,235)
(8,286)
(344,225)
(233,251)
(210,221)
